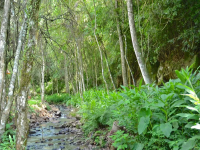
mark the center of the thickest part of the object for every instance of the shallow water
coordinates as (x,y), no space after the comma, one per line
(49,136)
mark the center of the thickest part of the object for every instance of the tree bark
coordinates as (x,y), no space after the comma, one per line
(128,62)
(138,53)
(123,63)
(43,73)
(111,78)
(66,75)
(6,111)
(3,37)
(22,120)
(80,62)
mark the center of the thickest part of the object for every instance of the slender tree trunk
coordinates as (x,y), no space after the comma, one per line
(123,63)
(66,75)
(100,51)
(137,50)
(96,76)
(57,85)
(80,62)
(111,78)
(43,73)
(3,37)
(6,111)
(128,62)
(52,86)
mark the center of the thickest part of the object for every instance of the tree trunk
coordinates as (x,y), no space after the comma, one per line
(100,51)
(6,111)
(3,37)
(80,62)
(137,50)
(111,78)
(66,75)
(123,63)
(42,73)
(22,123)
(128,62)
(22,120)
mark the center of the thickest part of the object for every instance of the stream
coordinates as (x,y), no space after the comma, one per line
(52,135)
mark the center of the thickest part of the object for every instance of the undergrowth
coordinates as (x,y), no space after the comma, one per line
(57,98)
(8,138)
(154,117)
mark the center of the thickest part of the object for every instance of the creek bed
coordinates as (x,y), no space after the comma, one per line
(52,136)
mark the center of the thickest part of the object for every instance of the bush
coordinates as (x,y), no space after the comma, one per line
(57,98)
(157,117)
(8,138)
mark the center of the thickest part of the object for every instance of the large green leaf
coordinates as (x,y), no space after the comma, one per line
(144,112)
(143,124)
(139,146)
(180,76)
(188,116)
(189,144)
(166,128)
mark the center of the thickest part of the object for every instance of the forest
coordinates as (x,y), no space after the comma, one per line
(100,74)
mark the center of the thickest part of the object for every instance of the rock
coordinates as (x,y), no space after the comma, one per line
(79,142)
(62,147)
(33,116)
(32,121)
(78,117)
(61,132)
(58,113)
(32,132)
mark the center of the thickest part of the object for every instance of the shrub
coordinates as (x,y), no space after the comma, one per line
(157,117)
(8,138)
(57,98)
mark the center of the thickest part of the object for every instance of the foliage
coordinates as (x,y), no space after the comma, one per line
(34,102)
(8,138)
(57,98)
(8,143)
(123,141)
(157,117)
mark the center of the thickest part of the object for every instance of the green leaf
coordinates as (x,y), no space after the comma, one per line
(178,103)
(188,116)
(144,112)
(139,146)
(180,76)
(166,97)
(188,89)
(143,124)
(166,128)
(189,144)
(192,108)
(189,125)
(140,84)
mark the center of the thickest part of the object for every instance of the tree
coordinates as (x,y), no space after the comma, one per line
(6,111)
(138,53)
(43,74)
(22,124)
(3,37)
(123,63)
(100,51)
